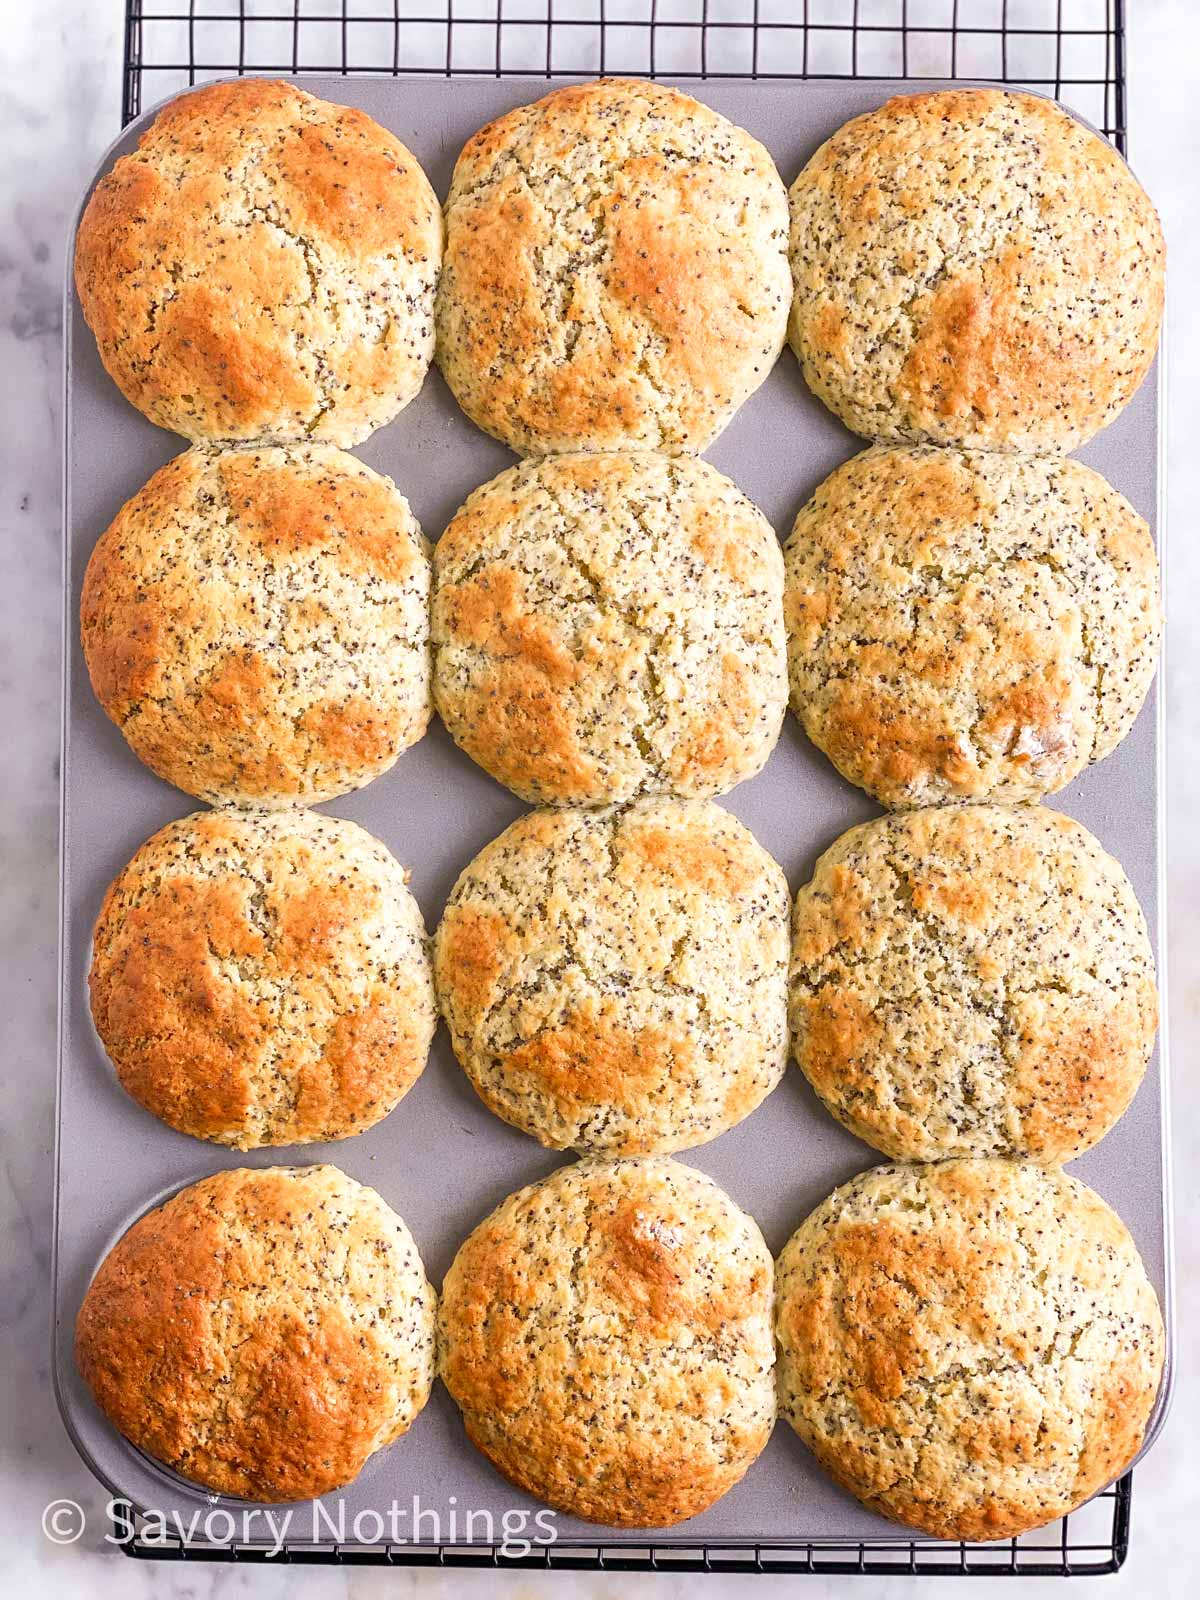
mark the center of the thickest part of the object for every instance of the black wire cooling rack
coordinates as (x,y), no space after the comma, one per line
(1091,1541)
(1073,49)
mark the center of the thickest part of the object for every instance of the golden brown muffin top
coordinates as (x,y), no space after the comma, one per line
(262,978)
(262,1332)
(263,265)
(615,273)
(968,625)
(255,621)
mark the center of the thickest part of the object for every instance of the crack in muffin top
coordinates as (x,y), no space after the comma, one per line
(610,626)
(615,273)
(263,1332)
(615,980)
(971,1348)
(263,265)
(256,622)
(973,266)
(606,1334)
(263,978)
(967,625)
(972,980)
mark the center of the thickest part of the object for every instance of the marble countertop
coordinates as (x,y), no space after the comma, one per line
(59,108)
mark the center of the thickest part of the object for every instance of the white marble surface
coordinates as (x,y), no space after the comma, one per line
(59,107)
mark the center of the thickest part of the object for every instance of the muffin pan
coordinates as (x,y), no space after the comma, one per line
(442,1160)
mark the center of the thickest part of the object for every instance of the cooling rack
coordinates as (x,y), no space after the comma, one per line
(1073,49)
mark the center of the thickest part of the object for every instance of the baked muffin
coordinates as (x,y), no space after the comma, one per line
(608,626)
(616,271)
(970,1348)
(968,626)
(607,1336)
(972,980)
(262,978)
(263,265)
(616,980)
(973,266)
(263,1333)
(256,623)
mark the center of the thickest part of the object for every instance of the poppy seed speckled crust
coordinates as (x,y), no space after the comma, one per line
(256,622)
(616,271)
(971,1348)
(973,266)
(262,1332)
(968,625)
(263,266)
(972,980)
(607,1336)
(616,980)
(263,978)
(609,626)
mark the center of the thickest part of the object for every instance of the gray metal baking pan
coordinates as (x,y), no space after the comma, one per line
(441,1159)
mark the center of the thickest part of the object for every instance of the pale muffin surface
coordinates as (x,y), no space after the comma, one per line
(606,1334)
(610,626)
(972,980)
(974,266)
(615,980)
(971,1348)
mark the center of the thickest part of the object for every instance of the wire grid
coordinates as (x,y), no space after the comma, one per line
(1073,49)
(1099,1548)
